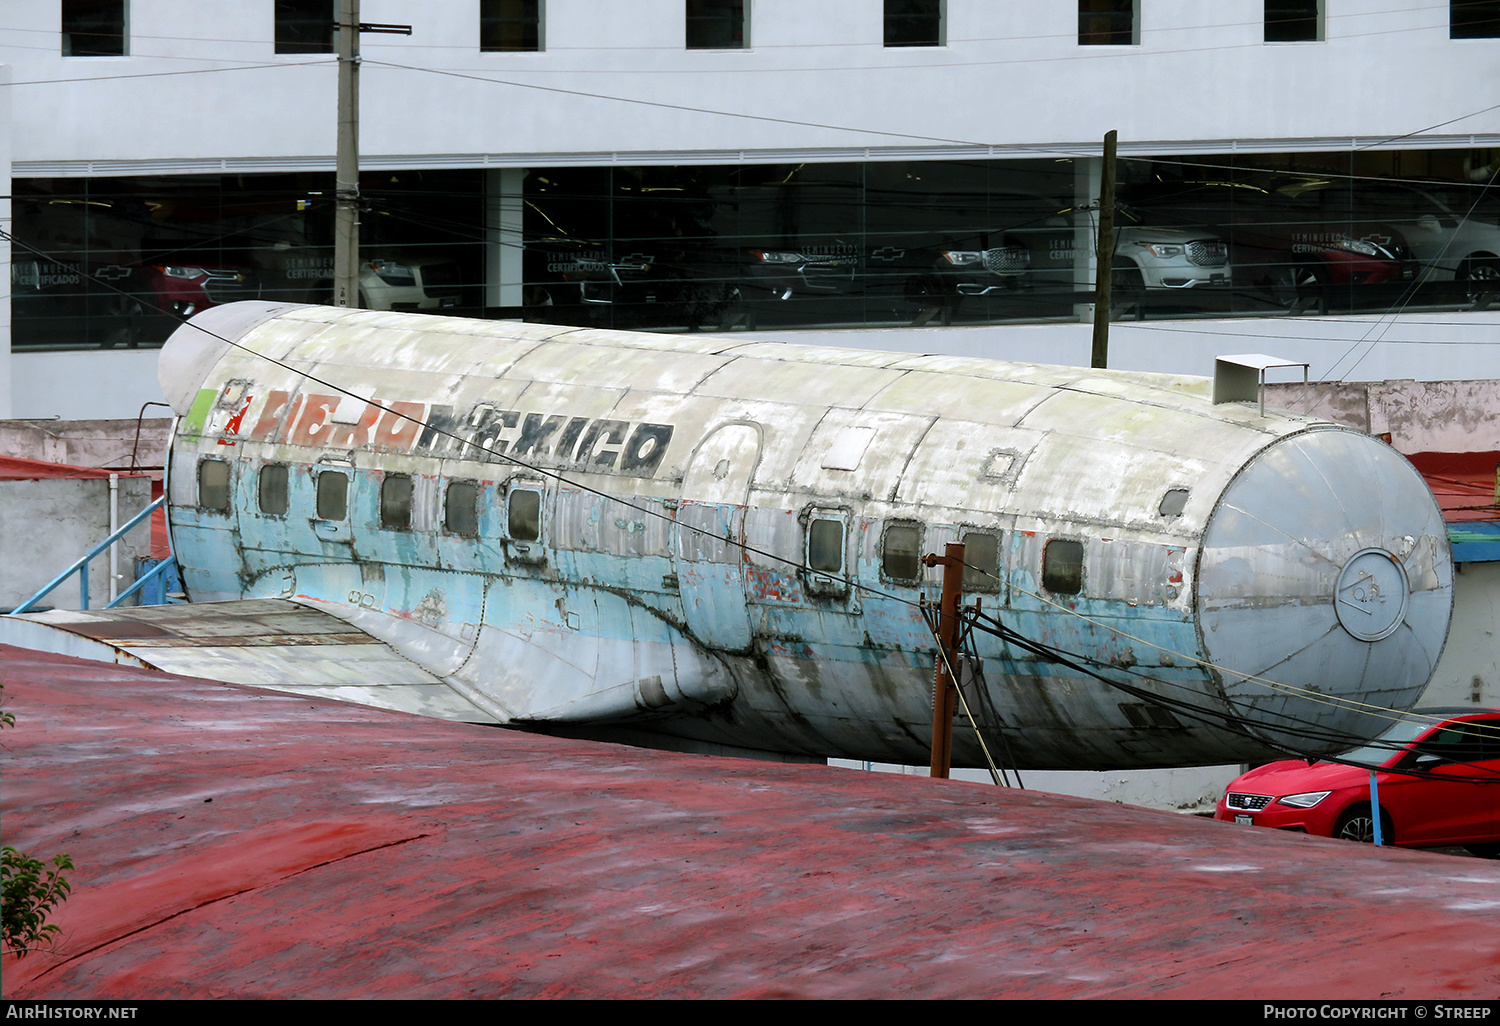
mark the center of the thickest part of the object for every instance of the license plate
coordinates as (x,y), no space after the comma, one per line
(1246,820)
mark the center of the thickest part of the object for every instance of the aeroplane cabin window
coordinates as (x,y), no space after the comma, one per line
(395,502)
(825,546)
(981,562)
(213,485)
(272,487)
(461,510)
(1062,567)
(901,558)
(524,515)
(333,495)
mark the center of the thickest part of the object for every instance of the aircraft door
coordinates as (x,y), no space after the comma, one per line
(711,534)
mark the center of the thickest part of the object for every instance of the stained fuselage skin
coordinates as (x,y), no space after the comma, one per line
(715,539)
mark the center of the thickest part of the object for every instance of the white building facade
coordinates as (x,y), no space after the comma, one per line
(925,172)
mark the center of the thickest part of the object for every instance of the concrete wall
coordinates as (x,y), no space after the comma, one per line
(616,84)
(1179,790)
(1420,416)
(49,524)
(1469,671)
(111,444)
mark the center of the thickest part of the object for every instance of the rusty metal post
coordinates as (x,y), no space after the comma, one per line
(952,562)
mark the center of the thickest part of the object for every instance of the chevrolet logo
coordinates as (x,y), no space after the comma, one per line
(887,253)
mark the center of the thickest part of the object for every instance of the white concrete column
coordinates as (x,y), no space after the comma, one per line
(503,216)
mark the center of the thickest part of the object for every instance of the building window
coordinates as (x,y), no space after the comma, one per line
(272,488)
(1062,567)
(461,511)
(1474,19)
(213,486)
(716,25)
(305,26)
(395,502)
(1294,21)
(93,28)
(333,495)
(901,555)
(509,26)
(1106,22)
(913,22)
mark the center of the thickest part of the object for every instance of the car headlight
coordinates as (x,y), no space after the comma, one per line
(394,273)
(963,257)
(1305,800)
(1359,246)
(770,256)
(172,271)
(1161,249)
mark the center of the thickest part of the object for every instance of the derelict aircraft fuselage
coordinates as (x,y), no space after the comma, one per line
(715,541)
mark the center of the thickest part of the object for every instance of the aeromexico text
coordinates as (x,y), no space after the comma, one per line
(485,434)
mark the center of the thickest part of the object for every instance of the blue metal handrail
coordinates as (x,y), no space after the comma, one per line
(82,564)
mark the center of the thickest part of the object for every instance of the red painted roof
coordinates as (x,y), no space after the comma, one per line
(14,468)
(1464,483)
(240,843)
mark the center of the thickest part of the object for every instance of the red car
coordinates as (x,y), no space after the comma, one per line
(1438,779)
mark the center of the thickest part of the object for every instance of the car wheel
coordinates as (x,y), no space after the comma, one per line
(126,316)
(1484,851)
(1127,288)
(1482,275)
(933,297)
(1356,824)
(1297,286)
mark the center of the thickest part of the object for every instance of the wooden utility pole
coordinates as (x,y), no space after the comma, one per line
(346,179)
(1105,259)
(952,562)
(346,174)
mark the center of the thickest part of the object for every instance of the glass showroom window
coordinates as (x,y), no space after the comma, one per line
(305,26)
(913,22)
(1106,22)
(1474,19)
(716,25)
(510,26)
(1294,21)
(93,28)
